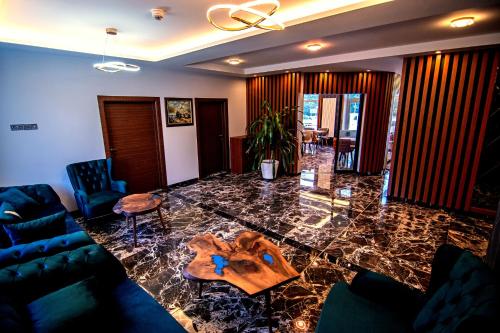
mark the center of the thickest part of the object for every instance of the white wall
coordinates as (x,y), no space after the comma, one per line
(59,93)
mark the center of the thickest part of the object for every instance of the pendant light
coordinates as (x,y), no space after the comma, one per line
(114,66)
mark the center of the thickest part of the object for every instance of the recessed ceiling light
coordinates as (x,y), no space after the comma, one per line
(462,22)
(287,71)
(328,71)
(438,52)
(234,61)
(368,70)
(314,47)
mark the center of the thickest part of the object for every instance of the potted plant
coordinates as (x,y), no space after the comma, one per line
(271,137)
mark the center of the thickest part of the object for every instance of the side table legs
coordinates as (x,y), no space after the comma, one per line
(135,230)
(161,218)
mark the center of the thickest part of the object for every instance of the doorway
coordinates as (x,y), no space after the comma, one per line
(212,135)
(332,131)
(132,133)
(347,132)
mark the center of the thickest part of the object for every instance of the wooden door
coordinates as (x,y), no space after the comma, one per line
(212,135)
(133,138)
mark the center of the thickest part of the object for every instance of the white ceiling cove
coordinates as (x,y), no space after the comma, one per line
(356,34)
(79,25)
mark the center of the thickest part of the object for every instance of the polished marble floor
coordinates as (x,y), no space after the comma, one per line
(329,226)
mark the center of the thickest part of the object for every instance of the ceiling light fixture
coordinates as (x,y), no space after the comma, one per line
(438,52)
(462,22)
(114,66)
(314,47)
(234,61)
(368,70)
(235,11)
(158,13)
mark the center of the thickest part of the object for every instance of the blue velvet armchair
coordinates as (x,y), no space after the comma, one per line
(96,191)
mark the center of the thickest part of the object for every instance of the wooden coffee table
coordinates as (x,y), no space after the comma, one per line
(138,204)
(251,263)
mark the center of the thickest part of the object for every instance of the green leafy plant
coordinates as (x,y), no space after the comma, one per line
(271,136)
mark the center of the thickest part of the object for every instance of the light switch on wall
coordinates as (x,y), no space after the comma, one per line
(23,127)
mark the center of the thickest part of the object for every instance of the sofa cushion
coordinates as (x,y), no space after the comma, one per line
(74,308)
(44,194)
(22,203)
(46,247)
(347,312)
(133,310)
(469,299)
(8,213)
(28,281)
(11,319)
(42,228)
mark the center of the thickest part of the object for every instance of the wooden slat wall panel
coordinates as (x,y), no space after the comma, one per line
(378,89)
(444,105)
(282,90)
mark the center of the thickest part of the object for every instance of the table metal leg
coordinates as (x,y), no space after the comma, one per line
(161,219)
(268,310)
(200,288)
(135,230)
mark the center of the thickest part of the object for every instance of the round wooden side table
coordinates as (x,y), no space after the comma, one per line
(138,204)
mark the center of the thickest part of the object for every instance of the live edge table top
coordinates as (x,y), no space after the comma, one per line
(251,262)
(136,204)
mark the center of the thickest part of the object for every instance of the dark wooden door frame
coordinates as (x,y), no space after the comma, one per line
(225,124)
(158,129)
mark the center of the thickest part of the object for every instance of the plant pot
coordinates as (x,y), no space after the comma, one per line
(267,169)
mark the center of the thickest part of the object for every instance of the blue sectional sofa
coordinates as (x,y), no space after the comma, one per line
(463,296)
(67,283)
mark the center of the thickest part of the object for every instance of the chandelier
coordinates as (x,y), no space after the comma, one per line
(114,66)
(262,20)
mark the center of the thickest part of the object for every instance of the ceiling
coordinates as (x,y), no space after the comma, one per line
(356,34)
(79,25)
(408,32)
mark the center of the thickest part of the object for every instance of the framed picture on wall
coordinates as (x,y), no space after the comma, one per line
(179,111)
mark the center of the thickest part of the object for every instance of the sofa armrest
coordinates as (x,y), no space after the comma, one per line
(82,196)
(119,186)
(38,277)
(22,253)
(384,290)
(444,259)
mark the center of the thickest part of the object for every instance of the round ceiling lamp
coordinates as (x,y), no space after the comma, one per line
(462,22)
(114,66)
(234,61)
(235,12)
(314,47)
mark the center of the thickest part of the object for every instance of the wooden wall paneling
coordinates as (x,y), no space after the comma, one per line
(473,125)
(482,130)
(436,134)
(449,90)
(434,65)
(444,105)
(464,128)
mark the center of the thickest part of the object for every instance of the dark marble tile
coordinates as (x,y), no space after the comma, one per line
(328,226)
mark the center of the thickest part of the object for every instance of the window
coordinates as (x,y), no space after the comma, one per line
(311,106)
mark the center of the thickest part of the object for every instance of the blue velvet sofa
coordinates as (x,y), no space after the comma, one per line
(463,296)
(96,192)
(67,283)
(48,203)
